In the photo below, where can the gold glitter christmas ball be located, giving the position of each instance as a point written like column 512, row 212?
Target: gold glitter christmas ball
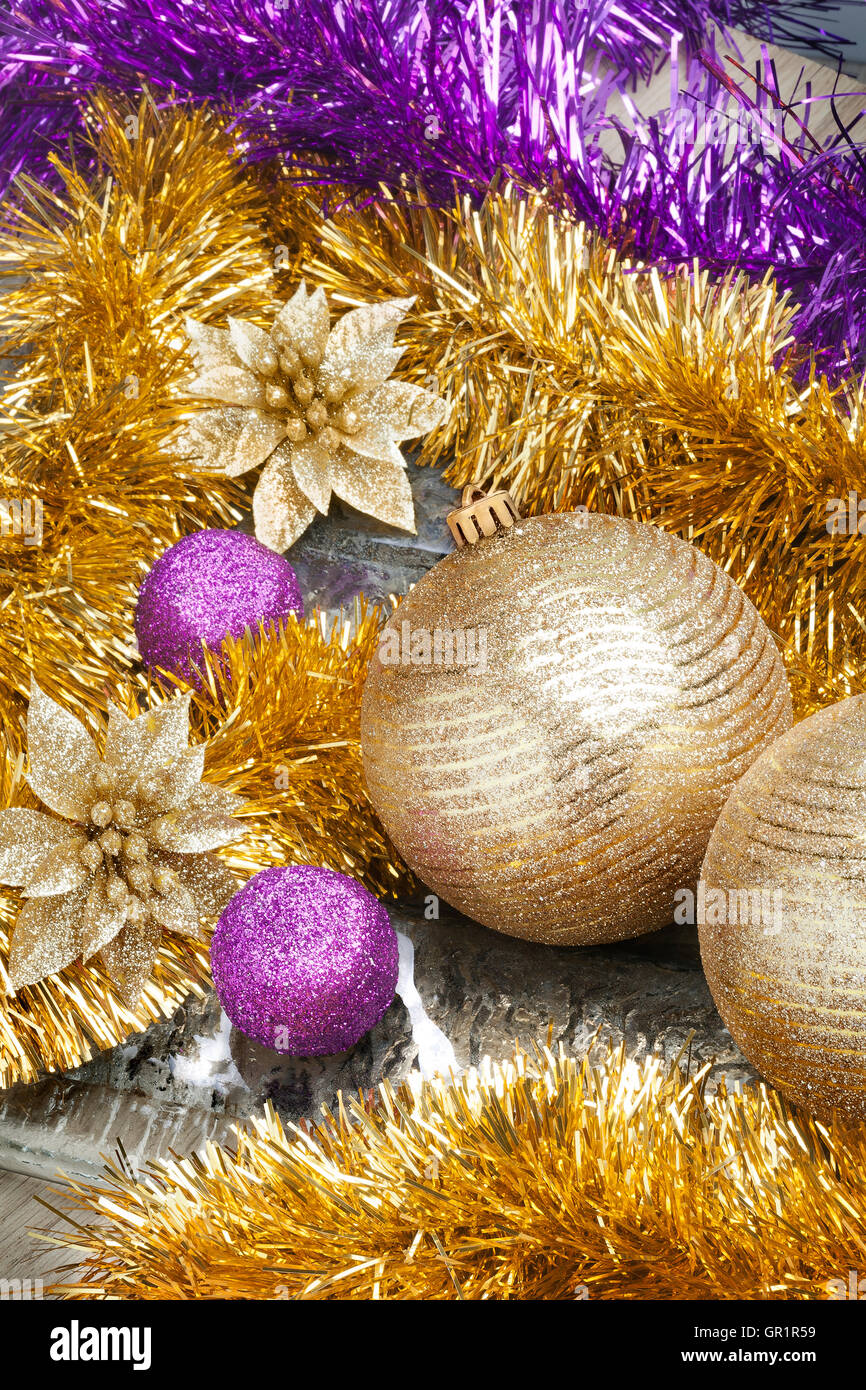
column 782, row 912
column 555, row 716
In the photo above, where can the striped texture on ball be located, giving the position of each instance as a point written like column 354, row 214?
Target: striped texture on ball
column 784, row 940
column 564, row 788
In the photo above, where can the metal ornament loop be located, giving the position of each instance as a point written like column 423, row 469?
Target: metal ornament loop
column 480, row 515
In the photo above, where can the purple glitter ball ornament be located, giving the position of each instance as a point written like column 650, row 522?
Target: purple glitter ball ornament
column 304, row 961
column 210, row 585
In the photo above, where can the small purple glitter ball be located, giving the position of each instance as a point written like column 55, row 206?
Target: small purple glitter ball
column 304, row 961
column 210, row 585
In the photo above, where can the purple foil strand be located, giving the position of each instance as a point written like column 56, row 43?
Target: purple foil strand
column 446, row 95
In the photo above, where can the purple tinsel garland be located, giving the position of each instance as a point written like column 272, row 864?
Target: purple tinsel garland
column 401, row 91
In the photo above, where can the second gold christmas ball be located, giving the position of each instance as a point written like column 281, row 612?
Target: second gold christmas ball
column 556, row 714
column 782, row 912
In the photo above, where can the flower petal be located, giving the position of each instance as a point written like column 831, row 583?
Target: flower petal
column 123, row 754
column 253, row 346
column 60, row 870
column 182, row 779
column 209, row 442
column 311, row 470
column 193, row 832
column 364, row 371
column 377, row 487
column 149, row 743
column 233, row 385
column 396, row 410
column 209, row 797
column 259, row 436
column 392, row 411
column 62, row 756
column 177, row 912
column 178, row 784
column 212, row 346
column 129, row 959
column 281, row 511
column 305, row 322
column 361, row 345
column 210, row 881
column 25, row 837
column 230, row 441
column 46, row 938
column 102, row 920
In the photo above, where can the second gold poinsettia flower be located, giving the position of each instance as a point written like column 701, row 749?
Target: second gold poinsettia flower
column 315, row 405
column 123, row 849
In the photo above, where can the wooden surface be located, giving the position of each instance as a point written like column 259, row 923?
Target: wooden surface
column 23, row 1257
column 804, row 84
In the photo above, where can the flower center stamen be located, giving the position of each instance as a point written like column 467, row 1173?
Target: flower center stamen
column 294, row 388
column 117, row 845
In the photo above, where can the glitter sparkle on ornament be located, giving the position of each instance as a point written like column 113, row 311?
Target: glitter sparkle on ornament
column 304, row 960
column 782, row 913
column 209, row 586
column 564, row 788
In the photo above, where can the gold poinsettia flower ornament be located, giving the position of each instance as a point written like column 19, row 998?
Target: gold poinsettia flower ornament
column 315, row 405
column 126, row 851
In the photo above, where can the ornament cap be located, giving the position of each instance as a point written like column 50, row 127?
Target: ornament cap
column 481, row 514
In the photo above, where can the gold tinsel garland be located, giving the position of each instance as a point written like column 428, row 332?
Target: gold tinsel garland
column 574, row 377
column 99, row 275
column 543, row 1178
column 280, row 714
